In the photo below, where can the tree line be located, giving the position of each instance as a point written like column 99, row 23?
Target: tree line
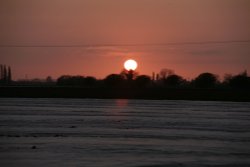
column 165, row 79
column 5, row 75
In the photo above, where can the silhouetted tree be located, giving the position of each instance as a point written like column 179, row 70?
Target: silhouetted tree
column 153, row 76
column 67, row 80
column 129, row 75
column 5, row 75
column 77, row 80
column 174, row 80
column 90, row 81
column 1, row 74
column 9, row 76
column 227, row 78
column 206, row 80
column 142, row 80
column 114, row 80
column 63, row 80
column 240, row 81
column 49, row 79
column 164, row 73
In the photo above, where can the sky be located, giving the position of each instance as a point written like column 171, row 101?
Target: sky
column 112, row 31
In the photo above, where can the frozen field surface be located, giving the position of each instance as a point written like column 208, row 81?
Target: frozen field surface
column 123, row 133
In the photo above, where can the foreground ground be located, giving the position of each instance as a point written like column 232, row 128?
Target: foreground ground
column 125, row 133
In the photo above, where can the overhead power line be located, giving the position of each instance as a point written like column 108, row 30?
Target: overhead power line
column 124, row 45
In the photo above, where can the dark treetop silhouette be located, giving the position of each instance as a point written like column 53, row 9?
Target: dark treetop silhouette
column 129, row 84
column 6, row 76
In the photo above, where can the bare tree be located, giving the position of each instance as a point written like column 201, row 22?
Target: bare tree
column 164, row 73
column 129, row 75
column 4, row 74
column 1, row 75
column 9, row 75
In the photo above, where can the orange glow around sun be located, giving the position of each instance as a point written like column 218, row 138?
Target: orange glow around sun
column 130, row 64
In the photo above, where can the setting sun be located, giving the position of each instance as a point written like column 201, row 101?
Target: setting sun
column 130, row 65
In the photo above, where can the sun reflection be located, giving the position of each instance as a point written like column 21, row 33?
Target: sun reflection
column 121, row 103
column 117, row 113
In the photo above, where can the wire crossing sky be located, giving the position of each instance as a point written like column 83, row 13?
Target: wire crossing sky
column 142, row 44
column 93, row 37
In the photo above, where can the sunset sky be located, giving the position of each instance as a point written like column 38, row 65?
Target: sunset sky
column 183, row 25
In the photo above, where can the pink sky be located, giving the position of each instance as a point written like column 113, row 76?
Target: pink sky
column 76, row 22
